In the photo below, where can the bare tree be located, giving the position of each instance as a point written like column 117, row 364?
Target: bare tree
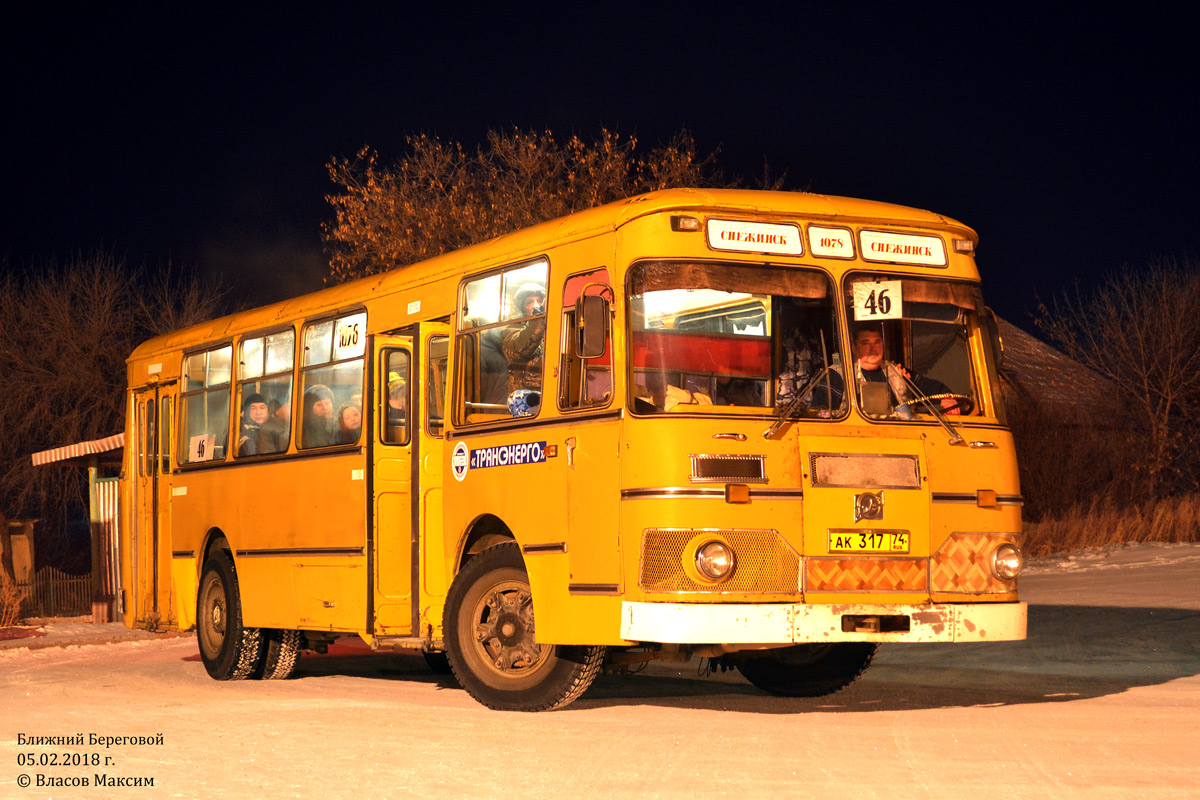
column 1138, row 329
column 65, row 332
column 440, row 196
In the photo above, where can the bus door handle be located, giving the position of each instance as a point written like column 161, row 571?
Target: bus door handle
column 737, row 437
column 570, row 443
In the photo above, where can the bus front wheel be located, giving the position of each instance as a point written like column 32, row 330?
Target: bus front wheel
column 229, row 651
column 808, row 670
column 489, row 635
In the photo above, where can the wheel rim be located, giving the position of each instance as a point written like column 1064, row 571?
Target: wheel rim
column 213, row 616
column 503, row 633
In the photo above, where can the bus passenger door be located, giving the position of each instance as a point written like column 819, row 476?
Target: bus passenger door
column 431, row 392
column 392, row 447
column 151, row 540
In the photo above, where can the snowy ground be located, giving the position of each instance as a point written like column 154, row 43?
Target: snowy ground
column 1102, row 700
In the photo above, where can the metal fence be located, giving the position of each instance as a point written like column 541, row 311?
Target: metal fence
column 53, row 593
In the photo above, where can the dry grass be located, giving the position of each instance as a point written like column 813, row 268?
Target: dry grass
column 1170, row 520
column 10, row 602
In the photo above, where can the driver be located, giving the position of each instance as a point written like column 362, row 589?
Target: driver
column 870, row 367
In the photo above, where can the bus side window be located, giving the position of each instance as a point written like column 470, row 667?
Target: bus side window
column 164, row 436
column 331, row 381
column 204, row 405
column 265, row 393
column 583, row 382
column 435, row 384
column 500, row 347
column 148, row 437
column 394, row 412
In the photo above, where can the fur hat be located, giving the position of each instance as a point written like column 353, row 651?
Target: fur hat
column 318, row 391
column 527, row 291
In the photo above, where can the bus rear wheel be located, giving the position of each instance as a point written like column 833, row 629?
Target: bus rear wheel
column 808, row 670
column 229, row 650
column 280, row 652
column 489, row 635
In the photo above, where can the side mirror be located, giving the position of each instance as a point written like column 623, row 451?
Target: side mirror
column 591, row 321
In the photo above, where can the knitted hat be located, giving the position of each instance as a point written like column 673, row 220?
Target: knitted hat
column 250, row 399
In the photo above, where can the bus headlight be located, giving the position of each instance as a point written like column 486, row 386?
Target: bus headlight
column 714, row 560
column 1006, row 562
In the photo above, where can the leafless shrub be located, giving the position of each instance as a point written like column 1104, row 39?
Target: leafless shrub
column 1138, row 330
column 66, row 329
column 11, row 598
column 440, row 196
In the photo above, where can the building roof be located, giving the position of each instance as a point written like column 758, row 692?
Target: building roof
column 1034, row 370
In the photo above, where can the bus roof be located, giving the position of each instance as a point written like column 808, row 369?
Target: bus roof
column 589, row 222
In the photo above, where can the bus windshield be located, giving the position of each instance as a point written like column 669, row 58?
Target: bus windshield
column 706, row 334
column 911, row 340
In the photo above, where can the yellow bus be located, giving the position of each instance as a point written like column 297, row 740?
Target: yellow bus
column 638, row 420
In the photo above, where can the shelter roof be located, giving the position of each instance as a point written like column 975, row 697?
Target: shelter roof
column 80, row 449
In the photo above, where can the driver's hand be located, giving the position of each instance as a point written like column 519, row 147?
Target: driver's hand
column 950, row 406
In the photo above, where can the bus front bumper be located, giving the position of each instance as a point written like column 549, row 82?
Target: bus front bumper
column 783, row 623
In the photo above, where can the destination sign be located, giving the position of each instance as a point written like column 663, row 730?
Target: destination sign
column 755, row 237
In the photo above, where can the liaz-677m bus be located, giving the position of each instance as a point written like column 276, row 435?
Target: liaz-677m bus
column 758, row 428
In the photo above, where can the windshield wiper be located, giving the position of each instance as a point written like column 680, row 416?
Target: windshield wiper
column 795, row 402
column 955, row 437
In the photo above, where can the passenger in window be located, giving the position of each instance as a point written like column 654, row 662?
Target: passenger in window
column 274, row 433
column 796, row 365
column 254, row 414
column 397, row 410
column 349, row 423
column 523, row 342
column 320, row 429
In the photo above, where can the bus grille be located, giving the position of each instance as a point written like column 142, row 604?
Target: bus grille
column 766, row 564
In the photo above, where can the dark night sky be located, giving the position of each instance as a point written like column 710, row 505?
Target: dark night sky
column 1066, row 139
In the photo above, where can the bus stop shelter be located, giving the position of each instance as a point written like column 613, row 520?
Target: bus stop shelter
column 102, row 457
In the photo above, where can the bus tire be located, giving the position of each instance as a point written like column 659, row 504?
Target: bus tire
column 229, row 651
column 490, row 643
column 280, row 653
column 809, row 670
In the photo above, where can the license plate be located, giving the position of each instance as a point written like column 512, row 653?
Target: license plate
column 868, row 541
